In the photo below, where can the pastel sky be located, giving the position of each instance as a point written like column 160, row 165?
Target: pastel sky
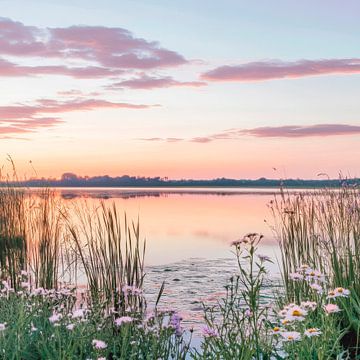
column 184, row 89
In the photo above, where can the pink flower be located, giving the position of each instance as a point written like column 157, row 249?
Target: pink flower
column 317, row 288
column 123, row 320
column 54, row 318
column 331, row 308
column 99, row 344
column 339, row 291
column 296, row 276
column 79, row 313
column 312, row 332
column 291, row 335
column 209, row 332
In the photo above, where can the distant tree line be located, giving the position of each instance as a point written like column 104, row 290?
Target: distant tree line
column 72, row 180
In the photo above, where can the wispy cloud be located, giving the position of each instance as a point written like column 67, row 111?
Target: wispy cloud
column 287, row 131
column 24, row 118
column 148, row 82
column 269, row 70
column 103, row 51
column 169, row 139
column 10, row 69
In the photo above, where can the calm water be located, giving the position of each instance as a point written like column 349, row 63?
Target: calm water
column 180, row 224
column 188, row 234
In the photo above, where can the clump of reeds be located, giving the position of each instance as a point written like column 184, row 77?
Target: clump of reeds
column 111, row 254
column 31, row 235
column 321, row 229
column 13, row 247
column 45, row 237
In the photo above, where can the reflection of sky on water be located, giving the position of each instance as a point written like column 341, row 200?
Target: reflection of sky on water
column 188, row 239
column 183, row 225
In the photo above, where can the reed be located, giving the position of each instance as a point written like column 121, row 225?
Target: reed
column 111, row 255
column 322, row 229
column 13, row 247
column 45, row 233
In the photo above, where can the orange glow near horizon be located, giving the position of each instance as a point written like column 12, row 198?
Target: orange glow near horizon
column 251, row 158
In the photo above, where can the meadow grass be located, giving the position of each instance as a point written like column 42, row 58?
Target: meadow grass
column 322, row 230
column 72, row 285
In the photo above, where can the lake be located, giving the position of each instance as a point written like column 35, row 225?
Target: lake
column 188, row 234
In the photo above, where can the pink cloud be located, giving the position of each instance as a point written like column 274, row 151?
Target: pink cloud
column 11, row 69
column 287, row 131
column 303, row 131
column 169, row 139
column 21, row 118
column 150, row 82
column 106, row 51
column 269, row 70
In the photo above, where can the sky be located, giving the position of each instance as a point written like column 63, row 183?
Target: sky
column 180, row 89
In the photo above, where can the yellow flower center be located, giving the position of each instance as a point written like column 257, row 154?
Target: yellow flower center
column 296, row 313
column 312, row 330
column 290, row 338
column 276, row 329
column 312, row 274
column 340, row 290
column 331, row 293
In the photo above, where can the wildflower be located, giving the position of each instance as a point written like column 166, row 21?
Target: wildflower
column 331, row 294
column 99, row 344
column 248, row 313
column 339, row 291
column 296, row 313
column 39, row 291
column 23, row 273
column 264, row 258
column 291, row 335
column 79, row 313
column 70, row 326
column 309, row 305
column 236, row 242
column 312, row 332
column 317, row 288
column 285, row 321
column 209, row 332
column 175, row 323
column 311, row 275
column 331, row 308
column 123, row 319
column 296, row 276
column 2, row 326
column 101, row 358
column 54, row 318
column 277, row 330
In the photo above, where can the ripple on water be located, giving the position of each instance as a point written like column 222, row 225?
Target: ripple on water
column 188, row 284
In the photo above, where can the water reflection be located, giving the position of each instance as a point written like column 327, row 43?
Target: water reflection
column 181, row 224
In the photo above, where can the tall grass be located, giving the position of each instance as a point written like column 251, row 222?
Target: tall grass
column 31, row 230
column 322, row 229
column 112, row 255
column 45, row 238
column 13, row 246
